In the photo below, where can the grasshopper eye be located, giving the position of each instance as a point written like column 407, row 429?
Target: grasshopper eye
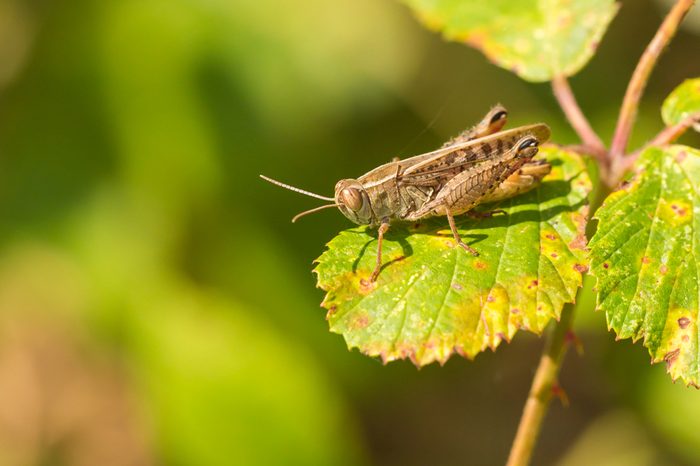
column 528, row 143
column 498, row 116
column 352, row 198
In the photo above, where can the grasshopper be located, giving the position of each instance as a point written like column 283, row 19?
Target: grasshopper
column 482, row 164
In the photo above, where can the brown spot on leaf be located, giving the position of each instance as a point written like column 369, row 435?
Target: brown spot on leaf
column 457, row 286
column 550, row 236
column 579, row 242
column 679, row 210
column 685, row 338
column 606, row 265
column 683, row 322
column 359, row 321
column 554, row 254
column 480, row 265
column 533, row 284
column 663, row 270
column 646, row 260
column 490, row 298
column 581, row 268
column 515, row 310
column 331, row 311
column 671, row 357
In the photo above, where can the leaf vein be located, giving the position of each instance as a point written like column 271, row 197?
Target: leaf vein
column 444, row 302
column 646, row 248
column 498, row 271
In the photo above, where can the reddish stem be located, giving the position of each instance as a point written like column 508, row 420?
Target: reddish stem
column 567, row 101
column 639, row 79
column 665, row 136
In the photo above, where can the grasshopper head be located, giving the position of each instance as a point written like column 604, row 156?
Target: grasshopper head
column 353, row 201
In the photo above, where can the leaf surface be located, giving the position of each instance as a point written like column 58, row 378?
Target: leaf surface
column 536, row 39
column 432, row 298
column 645, row 256
column 683, row 102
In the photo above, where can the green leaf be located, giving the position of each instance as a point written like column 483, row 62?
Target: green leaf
column 683, row 102
column 536, row 39
column 645, row 256
column 432, row 298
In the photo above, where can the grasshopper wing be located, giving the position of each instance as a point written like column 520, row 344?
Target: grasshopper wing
column 438, row 167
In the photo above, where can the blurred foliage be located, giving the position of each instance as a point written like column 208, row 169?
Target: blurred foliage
column 536, row 39
column 682, row 103
column 152, row 288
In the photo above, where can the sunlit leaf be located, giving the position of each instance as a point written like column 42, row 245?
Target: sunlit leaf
column 646, row 255
column 536, row 39
column 432, row 298
column 683, row 102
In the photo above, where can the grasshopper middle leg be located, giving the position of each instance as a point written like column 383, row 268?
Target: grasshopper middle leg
column 458, row 239
column 383, row 228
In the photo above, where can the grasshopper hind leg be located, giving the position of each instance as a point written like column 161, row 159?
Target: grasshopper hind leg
column 458, row 239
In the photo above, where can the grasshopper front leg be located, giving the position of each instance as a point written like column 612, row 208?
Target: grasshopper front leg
column 383, row 228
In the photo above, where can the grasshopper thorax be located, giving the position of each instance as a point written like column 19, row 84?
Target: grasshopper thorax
column 353, row 201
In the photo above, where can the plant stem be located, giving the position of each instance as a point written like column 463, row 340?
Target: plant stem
column 567, row 101
column 612, row 164
column 666, row 136
column 639, row 79
column 541, row 391
column 671, row 133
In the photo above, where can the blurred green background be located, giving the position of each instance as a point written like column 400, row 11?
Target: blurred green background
column 156, row 305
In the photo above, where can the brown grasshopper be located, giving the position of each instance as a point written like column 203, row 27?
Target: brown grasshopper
column 482, row 164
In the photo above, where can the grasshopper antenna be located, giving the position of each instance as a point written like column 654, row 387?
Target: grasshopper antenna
column 297, row 190
column 311, row 211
